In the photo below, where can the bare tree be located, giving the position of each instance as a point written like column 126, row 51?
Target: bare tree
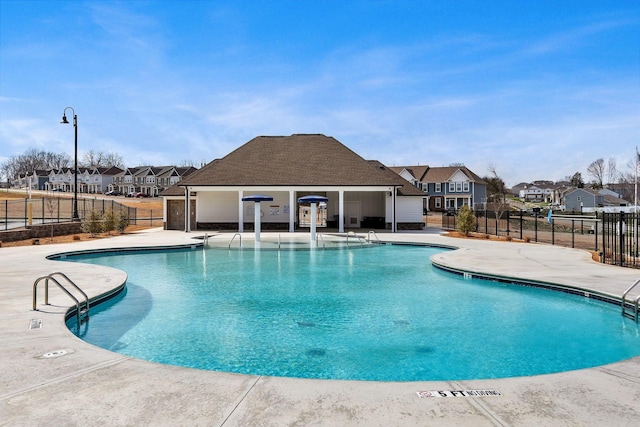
column 99, row 159
column 52, row 205
column 612, row 171
column 33, row 160
column 596, row 170
column 92, row 159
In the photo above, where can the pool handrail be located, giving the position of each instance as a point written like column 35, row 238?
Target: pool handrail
column 634, row 306
column 81, row 313
column 374, row 235
column 352, row 234
column 234, row 236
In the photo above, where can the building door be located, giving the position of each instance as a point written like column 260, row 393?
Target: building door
column 352, row 214
column 175, row 215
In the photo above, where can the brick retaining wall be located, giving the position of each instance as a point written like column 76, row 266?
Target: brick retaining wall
column 41, row 231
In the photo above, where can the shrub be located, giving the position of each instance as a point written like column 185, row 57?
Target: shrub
column 109, row 221
column 92, row 223
column 122, row 221
column 466, row 220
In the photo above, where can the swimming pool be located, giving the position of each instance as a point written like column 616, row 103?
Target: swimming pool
column 374, row 313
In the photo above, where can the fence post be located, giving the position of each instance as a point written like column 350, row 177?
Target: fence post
column 595, row 230
column 486, row 221
column 620, row 231
column 573, row 233
column 635, row 234
column 520, row 224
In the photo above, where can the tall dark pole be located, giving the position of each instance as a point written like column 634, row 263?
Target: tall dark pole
column 75, row 162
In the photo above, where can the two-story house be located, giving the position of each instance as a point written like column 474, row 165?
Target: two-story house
column 149, row 180
column 35, row 180
column 577, row 199
column 447, row 188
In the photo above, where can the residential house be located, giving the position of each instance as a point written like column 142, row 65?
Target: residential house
column 151, row 180
column 360, row 193
column 539, row 192
column 449, row 187
column 93, row 180
column 35, row 180
column 61, row 180
column 577, row 199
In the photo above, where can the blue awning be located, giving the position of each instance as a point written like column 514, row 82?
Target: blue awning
column 257, row 198
column 312, row 199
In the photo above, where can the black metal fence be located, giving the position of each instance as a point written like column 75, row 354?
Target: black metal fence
column 26, row 212
column 613, row 236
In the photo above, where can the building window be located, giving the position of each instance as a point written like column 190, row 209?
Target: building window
column 465, row 187
column 438, row 203
column 458, row 187
column 438, row 187
column 452, row 187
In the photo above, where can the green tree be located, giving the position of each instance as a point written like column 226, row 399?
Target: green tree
column 577, row 181
column 466, row 220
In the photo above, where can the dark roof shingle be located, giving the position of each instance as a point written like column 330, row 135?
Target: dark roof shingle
column 299, row 159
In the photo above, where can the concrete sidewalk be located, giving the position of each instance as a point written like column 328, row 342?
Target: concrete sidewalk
column 50, row 377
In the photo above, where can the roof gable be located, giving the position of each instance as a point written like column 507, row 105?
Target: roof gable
column 299, row 159
column 446, row 173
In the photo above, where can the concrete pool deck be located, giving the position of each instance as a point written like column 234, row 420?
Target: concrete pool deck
column 50, row 377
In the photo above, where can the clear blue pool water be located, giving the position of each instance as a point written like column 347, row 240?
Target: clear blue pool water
column 381, row 313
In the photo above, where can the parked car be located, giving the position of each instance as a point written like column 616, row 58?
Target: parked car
column 137, row 194
column 113, row 193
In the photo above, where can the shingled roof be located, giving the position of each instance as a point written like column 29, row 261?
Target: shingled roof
column 299, row 159
column 437, row 174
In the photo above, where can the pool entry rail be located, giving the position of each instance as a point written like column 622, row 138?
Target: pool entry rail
column 630, row 310
column 239, row 236
column 372, row 233
column 82, row 308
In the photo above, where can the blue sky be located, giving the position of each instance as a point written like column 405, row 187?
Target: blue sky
column 537, row 89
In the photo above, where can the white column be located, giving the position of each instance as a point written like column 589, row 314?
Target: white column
column 256, row 220
column 292, row 212
column 341, row 211
column 313, row 223
column 240, row 212
column 393, row 211
column 187, row 209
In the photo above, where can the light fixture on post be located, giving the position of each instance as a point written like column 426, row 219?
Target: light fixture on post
column 75, row 164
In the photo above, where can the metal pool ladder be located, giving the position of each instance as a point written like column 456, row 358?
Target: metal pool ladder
column 630, row 310
column 82, row 307
column 234, row 236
